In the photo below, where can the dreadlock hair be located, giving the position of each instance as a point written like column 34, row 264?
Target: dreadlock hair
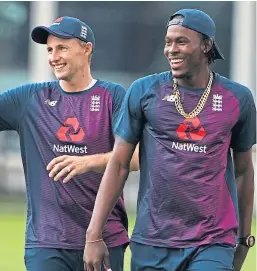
column 210, row 54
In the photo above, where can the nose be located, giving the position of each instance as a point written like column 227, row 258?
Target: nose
column 173, row 48
column 54, row 56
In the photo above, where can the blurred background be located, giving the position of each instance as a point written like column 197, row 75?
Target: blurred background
column 129, row 44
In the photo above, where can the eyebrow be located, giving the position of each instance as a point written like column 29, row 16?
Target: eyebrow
column 176, row 38
column 58, row 45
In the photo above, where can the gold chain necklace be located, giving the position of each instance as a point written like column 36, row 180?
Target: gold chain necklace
column 200, row 104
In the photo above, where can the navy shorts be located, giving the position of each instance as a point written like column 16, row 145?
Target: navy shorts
column 49, row 259
column 216, row 257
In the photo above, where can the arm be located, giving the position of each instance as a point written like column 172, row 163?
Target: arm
column 100, row 161
column 12, row 106
column 71, row 166
column 128, row 133
column 109, row 191
column 111, row 186
column 244, row 173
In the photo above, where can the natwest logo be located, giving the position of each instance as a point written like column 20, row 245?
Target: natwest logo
column 190, row 129
column 71, row 131
column 69, row 149
column 188, row 147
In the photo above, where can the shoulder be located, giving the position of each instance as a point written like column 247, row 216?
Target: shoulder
column 155, row 78
column 38, row 86
column 240, row 91
column 44, row 85
column 114, row 91
column 110, row 86
column 145, row 84
column 27, row 90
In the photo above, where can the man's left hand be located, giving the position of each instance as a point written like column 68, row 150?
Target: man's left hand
column 68, row 166
column 240, row 255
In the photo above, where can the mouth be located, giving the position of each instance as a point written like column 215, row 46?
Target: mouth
column 176, row 63
column 58, row 67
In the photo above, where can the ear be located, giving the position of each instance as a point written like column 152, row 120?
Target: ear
column 88, row 48
column 207, row 45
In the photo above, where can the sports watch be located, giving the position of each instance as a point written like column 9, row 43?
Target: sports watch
column 248, row 241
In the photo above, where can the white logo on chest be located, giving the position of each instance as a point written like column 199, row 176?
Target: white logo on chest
column 217, row 102
column 169, row 98
column 95, row 103
column 51, row 103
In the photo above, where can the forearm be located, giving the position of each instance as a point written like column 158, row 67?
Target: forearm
column 245, row 189
column 110, row 190
column 100, row 161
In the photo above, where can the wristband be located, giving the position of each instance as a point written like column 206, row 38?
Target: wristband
column 95, row 241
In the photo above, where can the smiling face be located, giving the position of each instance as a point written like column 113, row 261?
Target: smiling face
column 184, row 50
column 68, row 58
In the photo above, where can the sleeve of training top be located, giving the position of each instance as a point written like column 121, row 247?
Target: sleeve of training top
column 12, row 106
column 244, row 131
column 131, row 119
column 118, row 97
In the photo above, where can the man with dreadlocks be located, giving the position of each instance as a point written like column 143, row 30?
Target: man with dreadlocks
column 194, row 200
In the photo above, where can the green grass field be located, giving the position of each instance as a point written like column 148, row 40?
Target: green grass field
column 12, row 241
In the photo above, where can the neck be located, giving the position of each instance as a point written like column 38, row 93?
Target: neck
column 197, row 80
column 77, row 83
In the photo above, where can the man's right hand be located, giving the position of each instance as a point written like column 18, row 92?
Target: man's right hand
column 69, row 166
column 96, row 254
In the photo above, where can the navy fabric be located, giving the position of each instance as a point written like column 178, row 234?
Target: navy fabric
column 187, row 191
column 65, row 28
column 208, row 257
column 45, row 259
column 51, row 123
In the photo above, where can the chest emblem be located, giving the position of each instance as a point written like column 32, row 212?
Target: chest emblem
column 191, row 129
column 169, row 98
column 217, row 102
column 95, row 103
column 71, row 131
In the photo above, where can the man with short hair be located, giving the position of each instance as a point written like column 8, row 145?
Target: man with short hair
column 65, row 130
column 189, row 210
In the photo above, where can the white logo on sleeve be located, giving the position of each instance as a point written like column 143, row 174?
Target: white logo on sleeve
column 51, row 103
column 217, row 102
column 95, row 103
